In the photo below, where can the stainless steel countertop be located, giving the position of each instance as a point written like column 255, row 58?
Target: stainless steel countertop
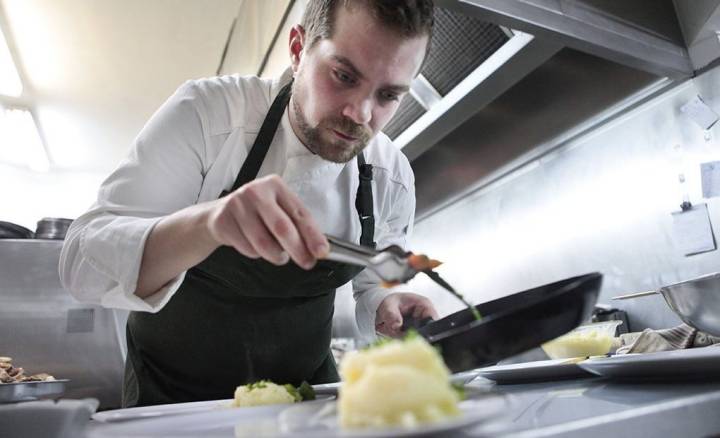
column 598, row 407
column 591, row 407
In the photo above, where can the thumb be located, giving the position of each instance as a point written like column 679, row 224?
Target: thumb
column 393, row 318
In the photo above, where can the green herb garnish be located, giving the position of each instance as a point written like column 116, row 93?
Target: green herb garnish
column 306, row 391
column 460, row 390
column 257, row 385
column 302, row 393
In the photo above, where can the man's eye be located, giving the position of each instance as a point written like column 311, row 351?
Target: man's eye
column 389, row 96
column 343, row 77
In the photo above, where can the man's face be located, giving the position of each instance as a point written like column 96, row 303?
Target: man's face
column 348, row 87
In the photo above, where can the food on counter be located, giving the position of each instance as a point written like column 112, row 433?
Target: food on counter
column 12, row 374
column 266, row 392
column 396, row 383
column 588, row 340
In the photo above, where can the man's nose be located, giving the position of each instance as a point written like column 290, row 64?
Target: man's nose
column 359, row 111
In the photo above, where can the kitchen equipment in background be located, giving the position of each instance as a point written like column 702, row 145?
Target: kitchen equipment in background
column 604, row 312
column 46, row 418
column 696, row 301
column 9, row 230
column 513, row 324
column 45, row 329
column 25, row 391
column 52, row 228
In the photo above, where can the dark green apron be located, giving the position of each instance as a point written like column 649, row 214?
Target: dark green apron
column 235, row 320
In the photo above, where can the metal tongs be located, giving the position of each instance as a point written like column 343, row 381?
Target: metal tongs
column 390, row 264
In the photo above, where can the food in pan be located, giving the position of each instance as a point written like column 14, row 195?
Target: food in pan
column 397, row 383
column 266, row 392
column 12, row 374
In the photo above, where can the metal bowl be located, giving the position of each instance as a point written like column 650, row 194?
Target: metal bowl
column 696, row 302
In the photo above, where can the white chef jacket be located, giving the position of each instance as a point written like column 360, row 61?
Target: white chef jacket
column 191, row 150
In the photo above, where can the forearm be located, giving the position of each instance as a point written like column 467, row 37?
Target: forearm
column 176, row 243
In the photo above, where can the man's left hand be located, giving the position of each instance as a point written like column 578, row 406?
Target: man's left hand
column 396, row 306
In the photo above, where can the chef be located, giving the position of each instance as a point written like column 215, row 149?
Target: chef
column 212, row 231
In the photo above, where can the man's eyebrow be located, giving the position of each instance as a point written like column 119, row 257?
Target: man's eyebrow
column 350, row 66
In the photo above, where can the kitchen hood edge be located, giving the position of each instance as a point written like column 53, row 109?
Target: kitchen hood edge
column 582, row 27
column 519, row 56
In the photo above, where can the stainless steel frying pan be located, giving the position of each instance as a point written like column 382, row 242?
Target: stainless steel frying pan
column 696, row 301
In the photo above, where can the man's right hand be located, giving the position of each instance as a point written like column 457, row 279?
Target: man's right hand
column 265, row 219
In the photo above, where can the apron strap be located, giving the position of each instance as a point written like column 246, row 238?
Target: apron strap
column 255, row 158
column 364, row 203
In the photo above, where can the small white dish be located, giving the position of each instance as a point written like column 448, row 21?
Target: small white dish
column 693, row 363
column 537, row 371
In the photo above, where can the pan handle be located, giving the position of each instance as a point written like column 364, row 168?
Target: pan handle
column 635, row 295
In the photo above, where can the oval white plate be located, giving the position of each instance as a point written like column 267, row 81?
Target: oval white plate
column 145, row 412
column 312, row 419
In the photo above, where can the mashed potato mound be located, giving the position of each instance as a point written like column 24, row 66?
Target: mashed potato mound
column 579, row 344
column 261, row 393
column 399, row 383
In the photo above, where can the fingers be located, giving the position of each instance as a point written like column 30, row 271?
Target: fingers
column 251, row 227
column 285, row 232
column 389, row 318
column 312, row 238
column 267, row 220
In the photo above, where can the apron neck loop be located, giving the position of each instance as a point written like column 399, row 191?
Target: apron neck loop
column 364, row 203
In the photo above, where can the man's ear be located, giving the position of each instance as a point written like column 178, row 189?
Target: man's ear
column 297, row 45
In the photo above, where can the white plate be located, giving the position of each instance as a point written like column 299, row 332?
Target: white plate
column 692, row 363
column 308, row 421
column 543, row 370
column 145, row 412
column 208, row 424
column 312, row 419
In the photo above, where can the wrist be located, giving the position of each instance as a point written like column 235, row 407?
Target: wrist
column 202, row 227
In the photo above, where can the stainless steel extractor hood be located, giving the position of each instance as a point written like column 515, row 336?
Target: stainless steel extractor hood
column 471, row 63
column 566, row 66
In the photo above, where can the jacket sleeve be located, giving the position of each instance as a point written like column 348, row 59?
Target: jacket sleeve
column 101, row 256
column 396, row 230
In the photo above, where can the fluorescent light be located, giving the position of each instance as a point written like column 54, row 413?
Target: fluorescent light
column 10, row 84
column 20, row 142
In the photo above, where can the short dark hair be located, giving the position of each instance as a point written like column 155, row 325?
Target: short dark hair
column 410, row 18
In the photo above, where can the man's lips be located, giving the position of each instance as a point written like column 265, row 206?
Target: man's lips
column 344, row 136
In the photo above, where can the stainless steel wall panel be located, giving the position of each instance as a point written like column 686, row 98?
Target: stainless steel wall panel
column 601, row 202
column 44, row 329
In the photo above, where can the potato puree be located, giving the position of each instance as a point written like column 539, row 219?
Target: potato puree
column 397, row 383
column 261, row 393
column 579, row 344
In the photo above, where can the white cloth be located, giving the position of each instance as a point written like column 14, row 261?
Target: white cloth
column 189, row 152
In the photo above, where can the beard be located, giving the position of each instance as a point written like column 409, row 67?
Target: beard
column 329, row 147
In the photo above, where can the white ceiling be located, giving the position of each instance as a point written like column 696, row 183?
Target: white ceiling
column 96, row 70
